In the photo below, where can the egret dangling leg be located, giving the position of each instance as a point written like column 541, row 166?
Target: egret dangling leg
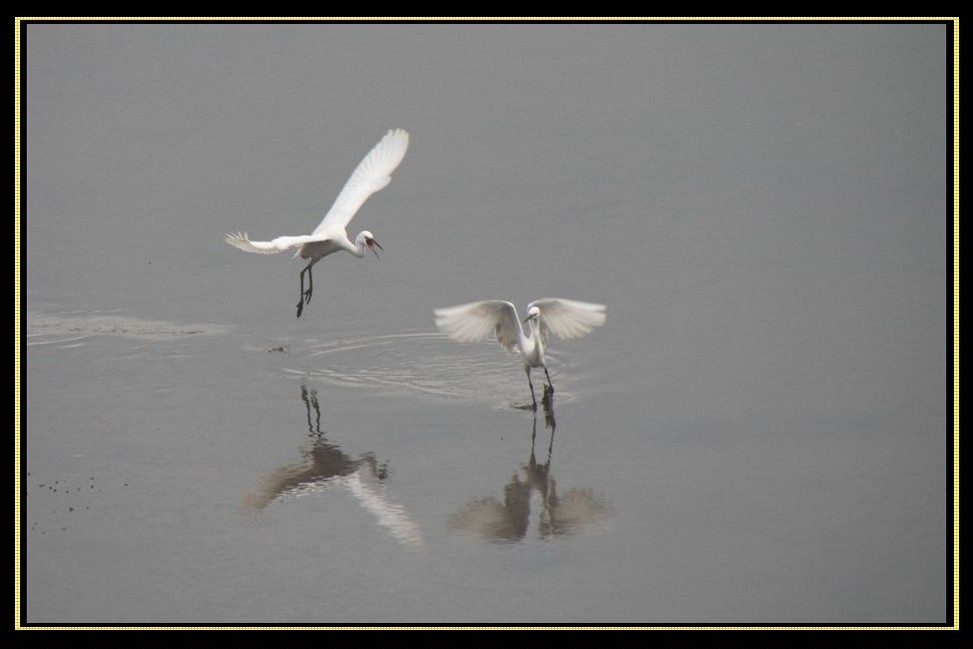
column 549, row 384
column 310, row 284
column 306, row 295
column 300, row 301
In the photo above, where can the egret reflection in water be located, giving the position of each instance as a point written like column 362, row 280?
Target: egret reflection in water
column 533, row 486
column 324, row 467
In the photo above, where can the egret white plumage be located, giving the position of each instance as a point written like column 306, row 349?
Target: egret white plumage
column 372, row 174
column 476, row 321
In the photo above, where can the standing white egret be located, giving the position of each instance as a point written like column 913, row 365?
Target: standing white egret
column 372, row 174
column 564, row 318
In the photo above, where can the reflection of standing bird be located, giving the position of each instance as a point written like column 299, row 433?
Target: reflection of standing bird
column 372, row 174
column 564, row 318
column 509, row 520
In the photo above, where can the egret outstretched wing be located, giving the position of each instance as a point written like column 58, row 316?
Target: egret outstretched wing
column 568, row 318
column 565, row 318
column 372, row 174
column 476, row 321
column 242, row 241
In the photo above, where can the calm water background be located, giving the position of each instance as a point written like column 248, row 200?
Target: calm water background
column 757, row 435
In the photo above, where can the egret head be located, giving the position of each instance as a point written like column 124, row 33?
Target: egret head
column 368, row 239
column 533, row 314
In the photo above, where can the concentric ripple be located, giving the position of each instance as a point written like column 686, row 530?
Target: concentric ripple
column 427, row 364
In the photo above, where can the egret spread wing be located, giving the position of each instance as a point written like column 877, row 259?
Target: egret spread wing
column 568, row 318
column 372, row 174
column 243, row 242
column 476, row 321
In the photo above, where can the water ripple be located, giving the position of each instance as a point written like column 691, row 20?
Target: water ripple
column 427, row 364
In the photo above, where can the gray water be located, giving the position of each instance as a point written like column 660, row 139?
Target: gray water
column 759, row 433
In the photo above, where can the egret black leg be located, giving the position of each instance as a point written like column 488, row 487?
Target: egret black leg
column 310, row 284
column 300, row 302
column 549, row 384
column 305, row 295
column 532, row 397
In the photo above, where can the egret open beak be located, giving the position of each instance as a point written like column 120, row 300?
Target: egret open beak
column 371, row 243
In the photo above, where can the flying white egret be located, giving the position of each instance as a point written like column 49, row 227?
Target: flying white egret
column 564, row 318
column 372, row 174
